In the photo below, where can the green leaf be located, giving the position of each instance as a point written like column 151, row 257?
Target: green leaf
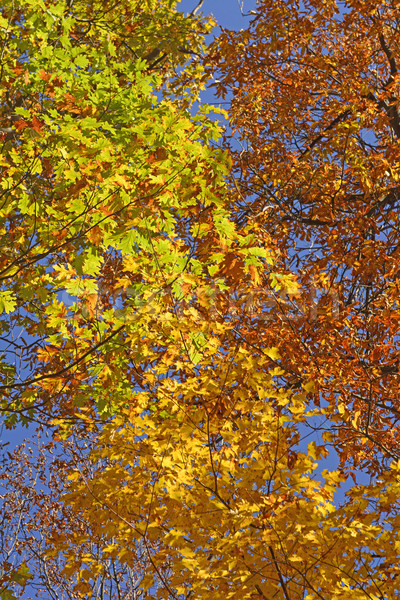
column 8, row 301
column 7, row 595
column 22, row 575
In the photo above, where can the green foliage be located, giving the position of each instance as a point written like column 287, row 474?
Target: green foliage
column 104, row 184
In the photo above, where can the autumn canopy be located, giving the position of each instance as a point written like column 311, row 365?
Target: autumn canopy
column 199, row 307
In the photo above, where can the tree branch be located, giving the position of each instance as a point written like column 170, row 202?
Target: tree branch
column 282, row 581
column 64, row 369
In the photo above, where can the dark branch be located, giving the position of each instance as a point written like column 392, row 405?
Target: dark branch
column 64, row 369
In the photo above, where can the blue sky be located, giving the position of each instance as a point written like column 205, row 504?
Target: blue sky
column 226, row 12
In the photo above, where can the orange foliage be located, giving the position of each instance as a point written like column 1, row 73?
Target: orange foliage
column 315, row 94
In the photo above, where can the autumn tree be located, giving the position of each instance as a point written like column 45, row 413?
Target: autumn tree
column 32, row 480
column 108, row 191
column 314, row 112
column 235, row 323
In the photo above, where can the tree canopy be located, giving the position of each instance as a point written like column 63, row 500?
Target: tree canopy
column 199, row 306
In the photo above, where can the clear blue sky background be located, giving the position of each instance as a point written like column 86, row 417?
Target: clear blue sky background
column 229, row 14
column 226, row 12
